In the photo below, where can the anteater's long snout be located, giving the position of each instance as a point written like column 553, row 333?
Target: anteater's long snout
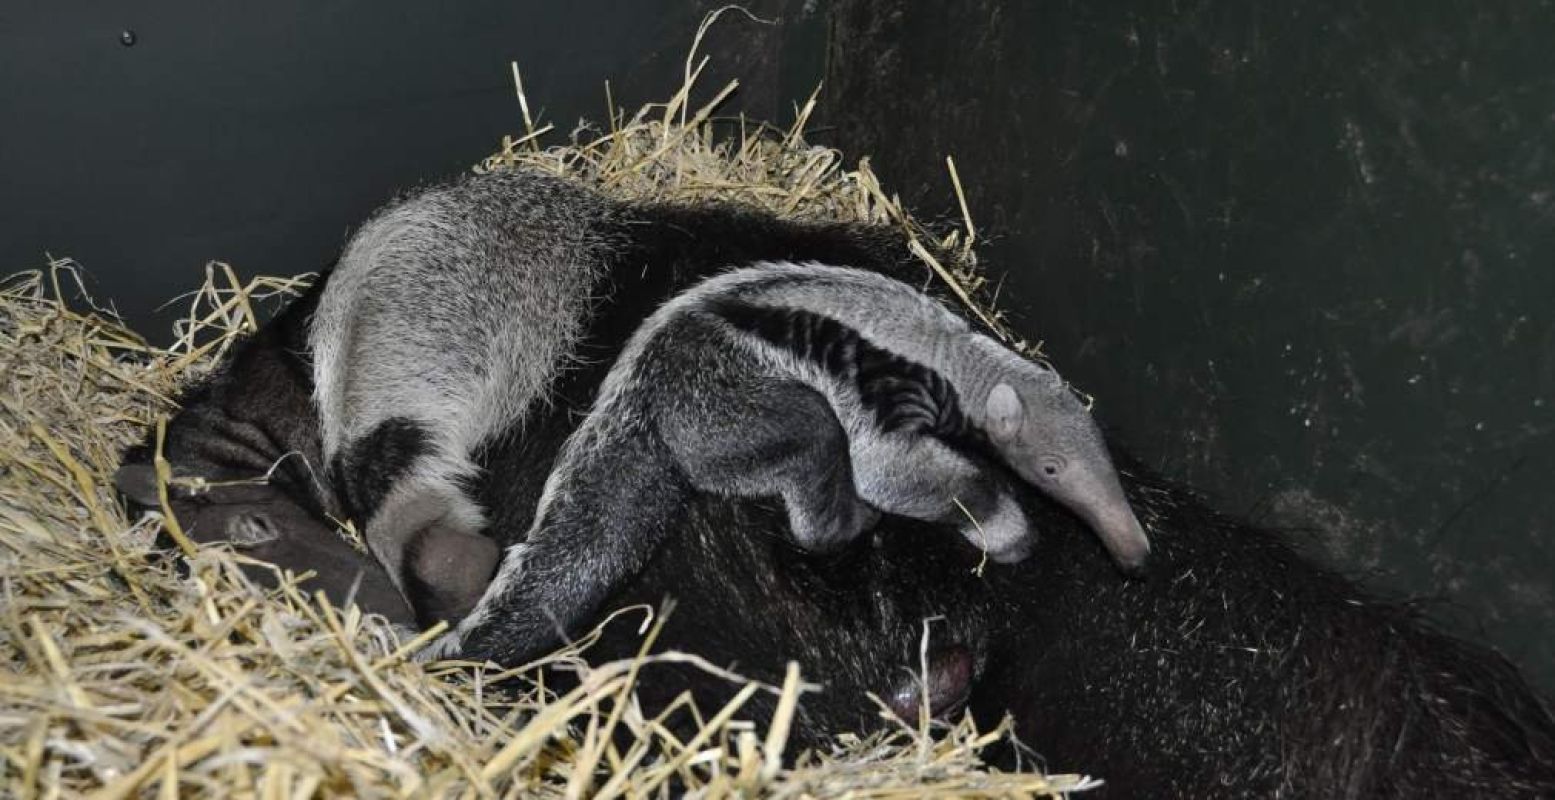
column 1104, row 507
column 1125, row 540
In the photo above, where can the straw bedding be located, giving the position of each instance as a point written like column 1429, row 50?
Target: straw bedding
column 129, row 670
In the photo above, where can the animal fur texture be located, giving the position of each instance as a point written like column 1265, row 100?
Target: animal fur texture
column 1240, row 669
column 446, row 318
column 842, row 392
column 452, row 311
column 249, row 433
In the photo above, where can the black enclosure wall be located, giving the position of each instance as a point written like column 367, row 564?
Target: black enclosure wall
column 144, row 139
column 1303, row 254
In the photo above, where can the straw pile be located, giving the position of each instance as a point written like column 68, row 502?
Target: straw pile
column 124, row 675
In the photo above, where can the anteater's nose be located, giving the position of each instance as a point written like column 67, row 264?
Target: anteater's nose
column 1136, row 569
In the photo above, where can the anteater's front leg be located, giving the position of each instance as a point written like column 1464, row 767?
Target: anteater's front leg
column 623, row 481
column 758, row 436
column 918, row 476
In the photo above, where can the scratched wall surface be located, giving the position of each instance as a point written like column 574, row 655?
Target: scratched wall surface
column 1304, row 257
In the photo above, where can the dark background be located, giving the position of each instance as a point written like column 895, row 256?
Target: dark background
column 1305, row 259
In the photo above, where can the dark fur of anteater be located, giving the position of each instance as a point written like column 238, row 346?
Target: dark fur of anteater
column 1238, row 669
column 1243, row 664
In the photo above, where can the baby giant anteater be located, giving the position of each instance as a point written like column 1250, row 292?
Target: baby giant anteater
column 1242, row 669
column 452, row 314
column 841, row 391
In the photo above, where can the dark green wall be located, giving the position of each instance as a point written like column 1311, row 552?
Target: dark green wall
column 1303, row 254
column 260, row 133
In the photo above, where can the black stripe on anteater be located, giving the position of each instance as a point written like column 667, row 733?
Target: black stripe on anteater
column 903, row 394
column 364, row 472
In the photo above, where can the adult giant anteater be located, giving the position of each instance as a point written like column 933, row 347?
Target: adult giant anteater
column 1239, row 668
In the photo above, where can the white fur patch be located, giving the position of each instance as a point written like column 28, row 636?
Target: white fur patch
column 453, row 308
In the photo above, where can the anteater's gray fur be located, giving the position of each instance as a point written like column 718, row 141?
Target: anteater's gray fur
column 839, row 390
column 447, row 317
column 1241, row 669
column 450, row 312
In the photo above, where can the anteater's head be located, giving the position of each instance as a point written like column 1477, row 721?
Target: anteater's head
column 1046, row 435
column 266, row 524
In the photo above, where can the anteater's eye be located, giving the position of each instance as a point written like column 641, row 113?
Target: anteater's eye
column 1052, row 465
column 251, row 530
column 1050, row 469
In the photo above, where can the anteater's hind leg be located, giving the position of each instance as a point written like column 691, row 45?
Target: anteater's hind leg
column 762, row 436
column 918, row 476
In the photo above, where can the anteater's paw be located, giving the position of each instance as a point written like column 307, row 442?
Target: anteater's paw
column 1005, row 534
column 443, row 648
column 832, row 530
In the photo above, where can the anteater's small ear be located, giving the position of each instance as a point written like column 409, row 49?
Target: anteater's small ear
column 138, row 482
column 1005, row 413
